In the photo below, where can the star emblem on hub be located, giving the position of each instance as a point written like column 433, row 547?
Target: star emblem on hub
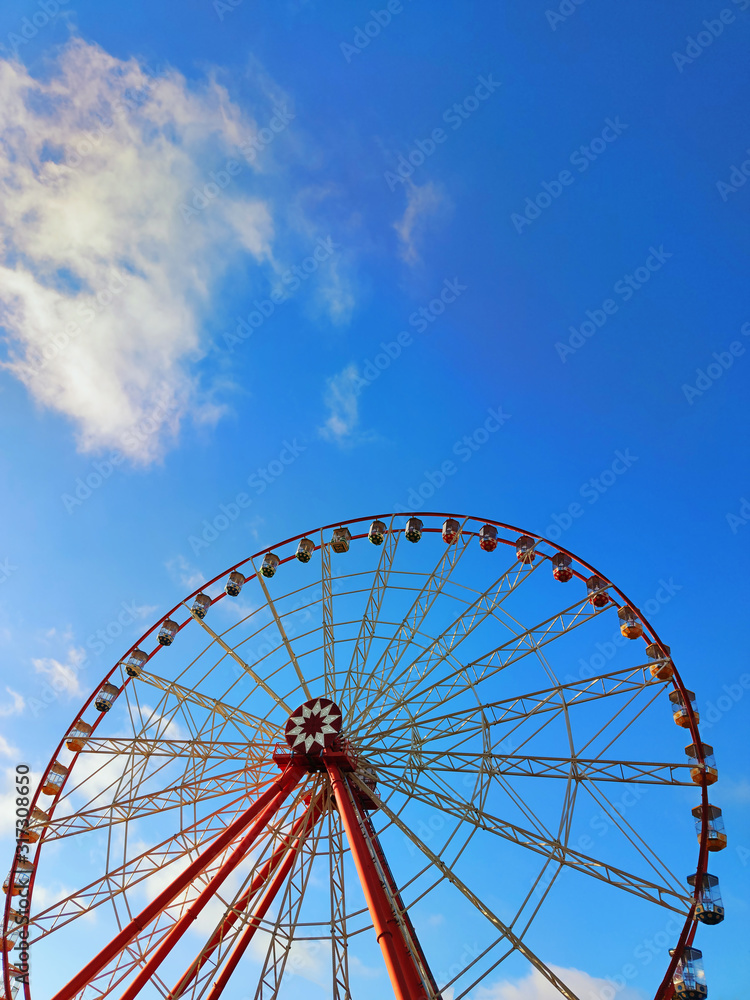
column 314, row 726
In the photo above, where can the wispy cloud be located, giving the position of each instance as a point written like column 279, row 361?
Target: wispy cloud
column 16, row 705
column 536, row 987
column 422, row 205
column 62, row 677
column 341, row 398
column 103, row 280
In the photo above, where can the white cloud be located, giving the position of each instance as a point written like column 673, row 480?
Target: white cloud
column 96, row 162
column 16, row 706
column 536, row 987
column 184, row 573
column 341, row 398
column 62, row 677
column 422, row 203
column 6, row 750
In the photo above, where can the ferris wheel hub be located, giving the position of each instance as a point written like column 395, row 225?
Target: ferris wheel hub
column 314, row 727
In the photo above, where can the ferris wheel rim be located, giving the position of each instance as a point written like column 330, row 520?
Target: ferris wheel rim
column 690, row 926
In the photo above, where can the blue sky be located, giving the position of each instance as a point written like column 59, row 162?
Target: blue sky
column 491, row 263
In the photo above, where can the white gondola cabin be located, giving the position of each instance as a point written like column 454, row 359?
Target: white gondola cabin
column 79, row 733
column 630, row 626
column 305, row 549
column 16, row 921
column 662, row 668
column 201, row 604
column 134, row 662
column 561, row 567
column 705, row 774
column 488, row 538
column 717, row 838
column 21, row 878
column 451, row 530
column 270, row 565
column 55, row 779
column 679, row 708
column 689, row 979
column 413, row 530
column 234, row 584
column 340, row 539
column 167, row 632
column 106, row 697
column 377, row 532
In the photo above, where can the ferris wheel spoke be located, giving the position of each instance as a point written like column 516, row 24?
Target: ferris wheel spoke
column 357, row 664
column 491, row 663
column 282, row 632
column 518, row 765
column 548, row 847
column 412, row 622
column 481, row 907
column 339, row 942
column 230, row 713
column 245, row 666
column 445, row 645
column 205, row 750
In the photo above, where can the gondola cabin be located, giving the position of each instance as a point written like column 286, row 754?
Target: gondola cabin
column 689, row 979
column 55, row 779
column 709, row 908
column 106, row 697
column 451, row 530
column 702, row 774
column 377, row 532
column 561, row 570
column 270, row 565
column 662, row 668
column 630, row 626
column 201, row 604
column 134, row 662
column 717, row 838
column 488, row 538
column 305, row 549
column 596, row 588
column 76, row 739
column 167, row 632
column 340, row 539
column 21, row 878
column 413, row 530
column 525, row 551
column 679, row 709
column 234, row 584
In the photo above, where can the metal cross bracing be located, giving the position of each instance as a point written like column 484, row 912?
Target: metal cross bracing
column 448, row 711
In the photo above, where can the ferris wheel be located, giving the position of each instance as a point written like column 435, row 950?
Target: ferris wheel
column 414, row 755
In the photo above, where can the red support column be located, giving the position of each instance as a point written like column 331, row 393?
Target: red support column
column 242, row 903
column 254, row 922
column 278, row 790
column 207, row 894
column 405, row 979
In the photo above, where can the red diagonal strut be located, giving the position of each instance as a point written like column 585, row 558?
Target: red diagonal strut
column 269, row 801
column 288, row 844
column 277, row 882
column 402, row 969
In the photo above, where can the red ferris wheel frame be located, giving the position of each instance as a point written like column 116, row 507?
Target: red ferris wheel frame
column 408, row 971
